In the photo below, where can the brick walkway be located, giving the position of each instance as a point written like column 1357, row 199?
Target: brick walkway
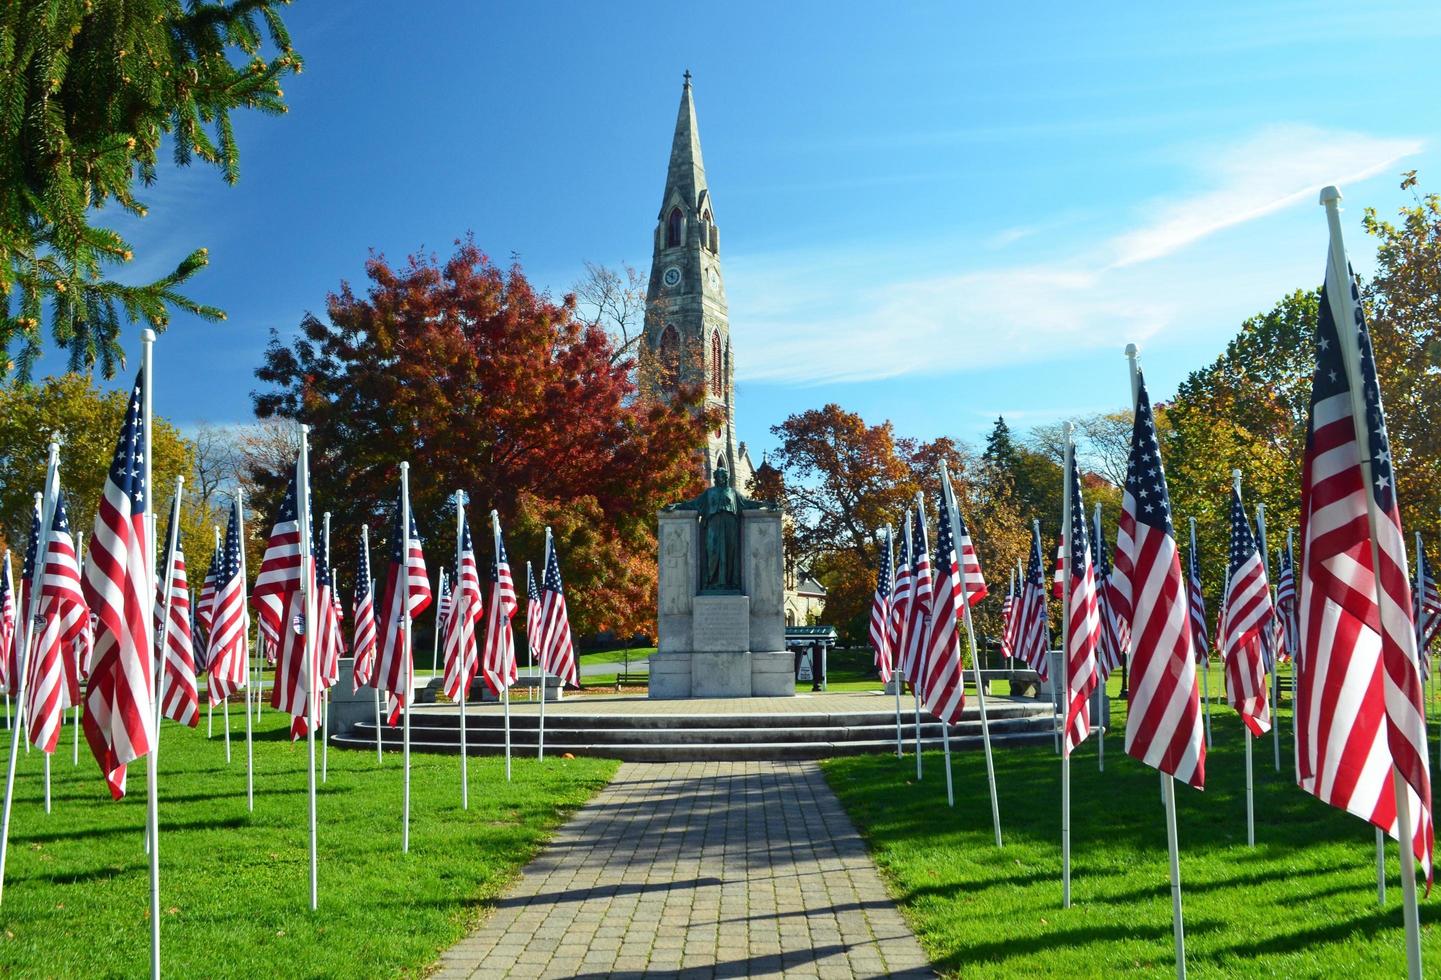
column 724, row 869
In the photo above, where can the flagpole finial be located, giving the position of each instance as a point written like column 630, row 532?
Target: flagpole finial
column 147, row 336
column 1330, row 195
column 1236, row 480
column 404, row 466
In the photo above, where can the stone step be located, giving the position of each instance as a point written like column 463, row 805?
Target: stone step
column 704, row 752
column 567, row 720
column 701, row 736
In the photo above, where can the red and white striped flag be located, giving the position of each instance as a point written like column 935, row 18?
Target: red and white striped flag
column 1008, row 618
column 1246, row 612
column 119, row 717
column 330, row 640
column 557, row 648
column 918, row 612
column 1083, row 629
column 1033, row 637
column 880, row 628
column 407, row 594
column 365, row 645
column 13, row 657
column 1359, row 714
column 179, row 700
column 1115, row 643
column 901, row 597
column 7, row 620
column 1289, row 625
column 229, row 647
column 205, row 604
column 497, row 663
column 280, row 604
column 943, row 687
column 1164, row 727
column 462, row 649
column 52, row 681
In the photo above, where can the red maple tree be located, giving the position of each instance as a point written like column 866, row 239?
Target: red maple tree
column 486, row 385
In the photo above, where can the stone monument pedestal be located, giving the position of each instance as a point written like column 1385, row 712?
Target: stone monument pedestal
column 721, row 646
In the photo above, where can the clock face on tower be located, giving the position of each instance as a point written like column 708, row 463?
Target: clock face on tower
column 713, row 279
column 672, row 276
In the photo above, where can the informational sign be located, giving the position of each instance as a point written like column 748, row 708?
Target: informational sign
column 807, row 671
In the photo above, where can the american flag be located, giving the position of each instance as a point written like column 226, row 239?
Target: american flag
column 462, row 658
column 1286, row 612
column 532, row 612
column 1246, row 613
column 1115, row 633
column 1196, row 603
column 119, row 714
column 442, row 608
column 1083, row 631
column 229, row 646
column 178, row 698
column 943, row 687
column 918, row 613
column 880, row 628
column 13, row 651
column 197, row 638
column 7, row 620
column 330, row 640
column 1164, row 728
column 1008, row 618
column 205, row 610
column 407, row 588
column 364, row 620
column 280, row 603
column 51, row 681
column 1358, row 689
column 970, row 562
column 497, row 664
column 557, row 649
column 1032, row 635
column 901, row 597
column 1426, row 605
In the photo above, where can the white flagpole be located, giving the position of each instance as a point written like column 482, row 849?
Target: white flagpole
column 1168, row 784
column 1206, row 663
column 915, row 687
column 325, row 718
column 1340, row 272
column 147, row 344
column 404, row 586
column 505, row 688
column 245, row 632
column 75, row 728
column 460, row 499
column 1381, row 866
column 1066, row 504
column 548, row 545
column 955, row 515
column 1275, row 652
column 22, row 660
column 307, row 644
column 1249, row 738
column 895, row 663
column 1046, row 630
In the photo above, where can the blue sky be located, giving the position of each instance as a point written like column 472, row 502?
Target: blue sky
column 933, row 213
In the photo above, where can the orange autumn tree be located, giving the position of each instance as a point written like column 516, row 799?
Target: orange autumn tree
column 484, row 384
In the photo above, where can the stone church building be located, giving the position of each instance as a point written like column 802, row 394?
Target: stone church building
column 687, row 328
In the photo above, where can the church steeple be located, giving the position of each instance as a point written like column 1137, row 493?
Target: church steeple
column 685, row 178
column 687, row 323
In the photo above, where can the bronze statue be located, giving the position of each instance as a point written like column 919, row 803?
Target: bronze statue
column 720, row 508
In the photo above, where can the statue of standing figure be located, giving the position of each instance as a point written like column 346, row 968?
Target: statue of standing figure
column 719, row 507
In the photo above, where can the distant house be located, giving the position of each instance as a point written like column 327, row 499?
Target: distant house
column 805, row 599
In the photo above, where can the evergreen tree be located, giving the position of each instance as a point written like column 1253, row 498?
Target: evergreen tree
column 90, row 88
column 1000, row 451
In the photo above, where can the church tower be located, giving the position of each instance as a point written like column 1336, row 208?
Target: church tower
column 687, row 326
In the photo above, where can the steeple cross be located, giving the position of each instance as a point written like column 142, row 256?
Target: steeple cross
column 687, row 77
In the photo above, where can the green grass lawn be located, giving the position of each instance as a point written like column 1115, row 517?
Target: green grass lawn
column 234, row 885
column 1302, row 903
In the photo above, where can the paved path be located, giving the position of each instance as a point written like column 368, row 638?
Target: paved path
column 724, row 869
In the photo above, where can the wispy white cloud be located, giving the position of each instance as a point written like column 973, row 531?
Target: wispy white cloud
column 1278, row 167
column 851, row 315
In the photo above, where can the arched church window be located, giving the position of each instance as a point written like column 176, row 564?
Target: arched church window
column 669, row 354
column 706, row 217
column 672, row 228
column 717, row 381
